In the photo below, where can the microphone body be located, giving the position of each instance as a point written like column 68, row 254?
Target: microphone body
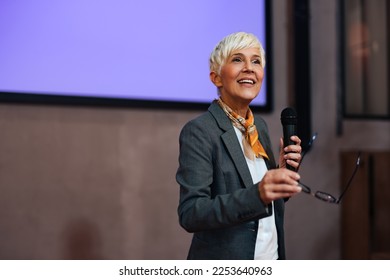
column 289, row 122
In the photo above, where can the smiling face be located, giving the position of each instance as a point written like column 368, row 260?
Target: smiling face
column 240, row 78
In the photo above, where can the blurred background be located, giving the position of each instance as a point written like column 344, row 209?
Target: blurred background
column 97, row 182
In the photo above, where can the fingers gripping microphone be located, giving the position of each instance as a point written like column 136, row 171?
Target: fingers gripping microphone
column 288, row 118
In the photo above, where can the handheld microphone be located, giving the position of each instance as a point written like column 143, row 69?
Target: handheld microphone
column 288, row 118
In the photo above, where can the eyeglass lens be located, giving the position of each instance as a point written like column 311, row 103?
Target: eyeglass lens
column 318, row 194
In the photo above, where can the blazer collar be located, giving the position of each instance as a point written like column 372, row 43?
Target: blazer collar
column 222, row 120
column 229, row 138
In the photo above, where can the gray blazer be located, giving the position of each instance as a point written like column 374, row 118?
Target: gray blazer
column 218, row 201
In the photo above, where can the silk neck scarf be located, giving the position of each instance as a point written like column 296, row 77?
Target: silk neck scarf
column 251, row 144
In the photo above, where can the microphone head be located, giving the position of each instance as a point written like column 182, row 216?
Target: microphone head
column 288, row 116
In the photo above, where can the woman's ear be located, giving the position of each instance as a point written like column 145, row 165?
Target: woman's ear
column 216, row 79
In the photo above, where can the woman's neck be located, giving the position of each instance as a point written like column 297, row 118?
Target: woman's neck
column 240, row 109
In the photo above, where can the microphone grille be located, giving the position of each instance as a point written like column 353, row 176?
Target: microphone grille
column 288, row 116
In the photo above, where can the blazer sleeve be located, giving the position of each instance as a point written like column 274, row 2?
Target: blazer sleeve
column 209, row 198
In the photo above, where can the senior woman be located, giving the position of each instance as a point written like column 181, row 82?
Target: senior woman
column 232, row 193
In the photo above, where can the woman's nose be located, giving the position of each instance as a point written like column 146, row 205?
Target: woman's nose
column 248, row 67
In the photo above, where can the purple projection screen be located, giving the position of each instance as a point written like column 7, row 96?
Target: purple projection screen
column 149, row 50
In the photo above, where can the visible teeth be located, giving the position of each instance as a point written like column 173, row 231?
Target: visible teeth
column 246, row 81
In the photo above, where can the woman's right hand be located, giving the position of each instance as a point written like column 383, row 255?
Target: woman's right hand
column 278, row 183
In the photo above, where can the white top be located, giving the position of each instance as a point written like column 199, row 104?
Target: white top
column 267, row 237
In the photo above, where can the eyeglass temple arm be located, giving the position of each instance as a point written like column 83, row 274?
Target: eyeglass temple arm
column 351, row 178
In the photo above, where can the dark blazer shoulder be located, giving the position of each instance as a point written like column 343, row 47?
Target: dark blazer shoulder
column 212, row 118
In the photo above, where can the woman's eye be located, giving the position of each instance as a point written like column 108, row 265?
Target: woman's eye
column 236, row 59
column 256, row 61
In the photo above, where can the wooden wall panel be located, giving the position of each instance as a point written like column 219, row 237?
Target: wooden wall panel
column 380, row 238
column 366, row 206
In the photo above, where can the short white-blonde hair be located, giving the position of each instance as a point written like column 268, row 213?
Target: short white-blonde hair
column 233, row 42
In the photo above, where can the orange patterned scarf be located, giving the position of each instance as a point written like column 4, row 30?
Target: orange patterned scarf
column 248, row 128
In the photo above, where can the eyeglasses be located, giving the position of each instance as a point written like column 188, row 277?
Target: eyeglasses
column 323, row 195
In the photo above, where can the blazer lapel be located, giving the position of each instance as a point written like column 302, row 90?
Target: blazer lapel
column 266, row 144
column 233, row 146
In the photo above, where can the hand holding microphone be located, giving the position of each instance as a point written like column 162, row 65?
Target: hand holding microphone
column 282, row 183
column 290, row 144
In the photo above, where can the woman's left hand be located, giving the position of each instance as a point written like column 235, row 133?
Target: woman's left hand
column 291, row 154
